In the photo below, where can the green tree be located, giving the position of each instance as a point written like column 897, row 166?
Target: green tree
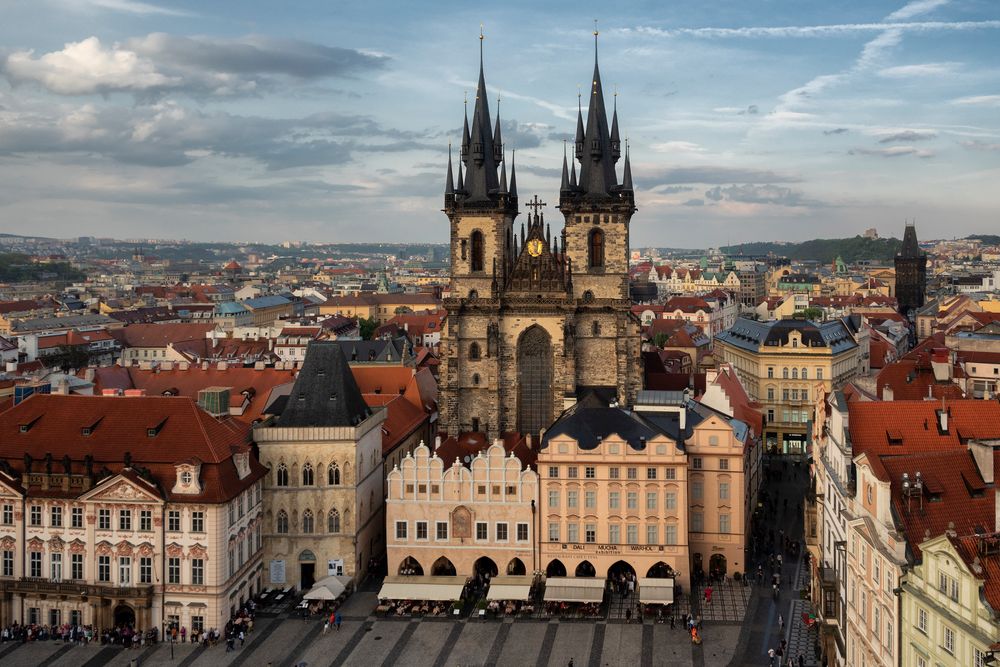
column 810, row 313
column 367, row 327
column 67, row 358
column 660, row 340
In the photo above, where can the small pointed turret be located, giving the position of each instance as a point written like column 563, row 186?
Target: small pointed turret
column 503, row 177
column 564, row 186
column 497, row 138
column 513, row 177
column 616, row 142
column 627, row 175
column 465, row 130
column 572, row 176
column 449, row 184
column 579, row 127
column 460, row 185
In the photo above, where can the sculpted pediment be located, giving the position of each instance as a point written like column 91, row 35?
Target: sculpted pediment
column 121, row 489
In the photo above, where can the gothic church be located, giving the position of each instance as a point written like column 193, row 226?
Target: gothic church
column 536, row 320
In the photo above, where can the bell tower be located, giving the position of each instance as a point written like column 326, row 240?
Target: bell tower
column 597, row 207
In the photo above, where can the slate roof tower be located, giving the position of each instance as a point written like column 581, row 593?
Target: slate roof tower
column 911, row 273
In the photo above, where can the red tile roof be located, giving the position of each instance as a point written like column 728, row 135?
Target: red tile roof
column 917, row 424
column 467, row 445
column 162, row 334
column 913, row 380
column 968, row 549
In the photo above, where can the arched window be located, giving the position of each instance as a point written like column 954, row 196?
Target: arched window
column 333, row 521
column 795, row 373
column 474, row 351
column 281, row 476
column 595, row 328
column 784, row 373
column 596, row 249
column 477, row 250
column 307, row 475
column 475, row 379
column 333, row 475
column 307, row 521
column 282, row 522
column 805, row 373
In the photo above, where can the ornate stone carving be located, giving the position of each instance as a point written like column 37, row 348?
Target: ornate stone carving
column 124, row 548
column 36, row 544
column 104, row 549
column 145, row 549
column 78, row 547
column 56, row 544
column 461, row 522
column 8, row 543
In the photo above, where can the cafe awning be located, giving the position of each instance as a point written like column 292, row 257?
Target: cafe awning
column 574, row 589
column 406, row 587
column 329, row 588
column 509, row 588
column 656, row 591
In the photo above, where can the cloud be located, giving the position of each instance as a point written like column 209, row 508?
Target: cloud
column 694, row 202
column 758, row 194
column 739, row 111
column 127, row 7
column 978, row 100
column 677, row 147
column 160, row 63
column 907, row 135
column 913, row 71
column 673, row 189
column 712, row 175
column 981, row 145
column 813, row 31
column 894, row 151
column 915, row 8
column 836, row 130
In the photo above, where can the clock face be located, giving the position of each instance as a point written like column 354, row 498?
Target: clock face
column 535, row 247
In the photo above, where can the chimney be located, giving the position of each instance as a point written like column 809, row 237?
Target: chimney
column 941, row 365
column 166, row 365
column 204, row 365
column 887, row 393
column 223, row 365
column 983, row 456
column 183, row 366
column 943, row 420
column 437, row 443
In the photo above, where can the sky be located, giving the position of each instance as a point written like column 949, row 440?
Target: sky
column 324, row 121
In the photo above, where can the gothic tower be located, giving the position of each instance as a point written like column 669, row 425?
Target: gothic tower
column 911, row 273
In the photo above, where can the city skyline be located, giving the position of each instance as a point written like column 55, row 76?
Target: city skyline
column 131, row 119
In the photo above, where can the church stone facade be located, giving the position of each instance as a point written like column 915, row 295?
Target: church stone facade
column 536, row 320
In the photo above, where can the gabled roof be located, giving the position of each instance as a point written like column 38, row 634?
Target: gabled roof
column 916, row 423
column 162, row 334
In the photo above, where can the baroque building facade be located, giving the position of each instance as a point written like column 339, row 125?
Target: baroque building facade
column 536, row 319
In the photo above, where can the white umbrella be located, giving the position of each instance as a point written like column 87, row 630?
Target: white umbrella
column 319, row 593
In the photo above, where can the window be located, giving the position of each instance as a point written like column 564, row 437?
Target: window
column 670, row 534
column 401, row 530
column 723, row 464
column 590, row 499
column 232, row 513
column 174, row 570
column 614, row 534
column 697, row 489
column 978, row 658
column 572, row 472
column 441, row 530
column 198, row 522
column 36, row 515
column 632, row 473
column 590, row 533
column 197, row 571
column 632, row 500
column 949, row 640
column 770, row 373
column 308, row 523
column 307, row 476
column 613, row 473
column 819, row 373
column 125, row 520
column 795, row 371
column 198, row 623
column 474, row 352
column 104, row 519
column 55, row 566
column 651, row 500
column 522, row 532
column 501, row 532
column 632, row 533
column 770, row 393
column 124, row 570
column 596, row 249
column 948, row 586
column 784, row 373
column 696, row 463
column 553, row 498
column 590, row 472
column 572, row 532
column 174, row 520
column 670, row 500
column 614, row 500
column 723, row 523
column 650, row 473
column 333, row 475
column 421, row 530
column 670, row 473
column 145, row 570
column 805, row 397
column 652, row 534
column 723, row 490
column 8, row 515
column 554, row 472
column 55, row 516
column 805, row 374
column 571, row 499
column 281, row 475
column 553, row 531
column 785, row 394
column 104, row 568
column 282, row 522
column 477, row 251
column 333, row 521
column 595, row 328
column 922, row 620
column 697, row 522
column 76, row 566
column 482, row 530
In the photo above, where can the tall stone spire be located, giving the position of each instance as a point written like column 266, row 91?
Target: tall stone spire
column 627, row 174
column 616, row 142
column 481, row 161
column 597, row 166
column 564, row 185
column 513, row 177
column 449, row 184
column 503, row 176
column 910, row 249
column 579, row 127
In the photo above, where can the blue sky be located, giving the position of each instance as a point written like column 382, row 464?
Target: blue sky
column 330, row 121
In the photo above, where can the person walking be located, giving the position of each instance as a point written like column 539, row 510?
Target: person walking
column 337, row 621
column 628, row 615
column 671, row 621
column 326, row 626
column 781, row 623
column 770, row 657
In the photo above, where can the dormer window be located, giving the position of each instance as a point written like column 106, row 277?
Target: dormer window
column 186, row 478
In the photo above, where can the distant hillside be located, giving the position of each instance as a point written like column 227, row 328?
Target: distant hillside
column 823, row 250
column 987, row 239
column 15, row 268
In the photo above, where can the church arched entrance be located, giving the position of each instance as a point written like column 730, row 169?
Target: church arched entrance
column 555, row 569
column 534, row 380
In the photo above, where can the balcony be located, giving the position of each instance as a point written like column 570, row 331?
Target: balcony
column 43, row 586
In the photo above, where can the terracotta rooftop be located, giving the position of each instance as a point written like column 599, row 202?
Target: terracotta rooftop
column 888, row 428
column 162, row 334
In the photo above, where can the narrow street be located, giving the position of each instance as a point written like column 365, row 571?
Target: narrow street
column 785, row 485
